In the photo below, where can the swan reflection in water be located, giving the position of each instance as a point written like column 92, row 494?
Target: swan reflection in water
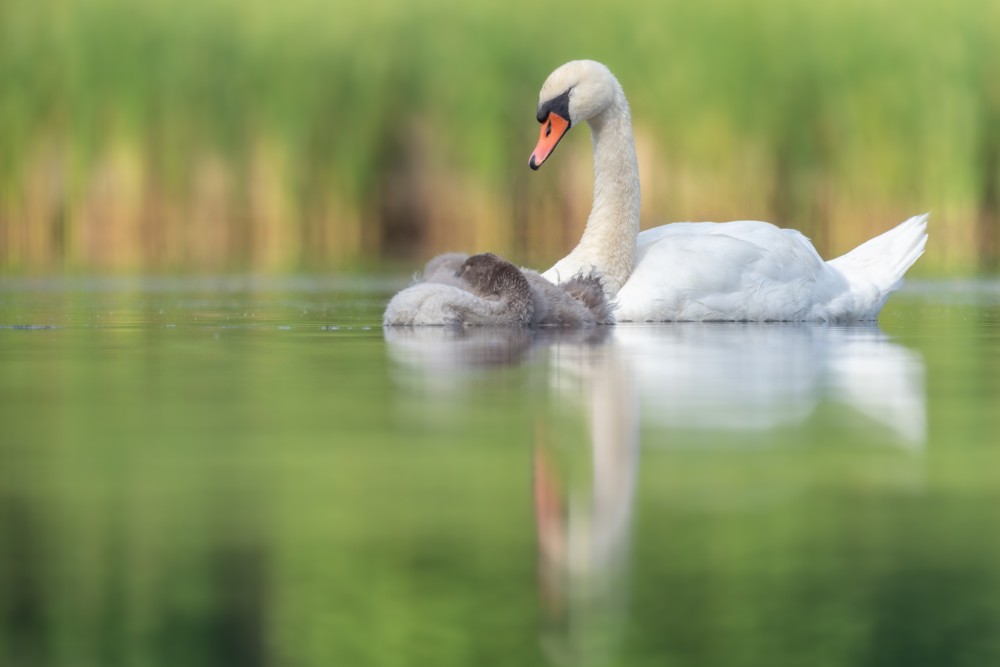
column 748, row 376
column 603, row 382
column 703, row 376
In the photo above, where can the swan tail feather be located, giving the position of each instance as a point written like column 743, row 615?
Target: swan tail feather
column 885, row 259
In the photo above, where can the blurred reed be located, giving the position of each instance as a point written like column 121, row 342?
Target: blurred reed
column 253, row 135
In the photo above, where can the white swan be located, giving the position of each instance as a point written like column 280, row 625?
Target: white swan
column 747, row 270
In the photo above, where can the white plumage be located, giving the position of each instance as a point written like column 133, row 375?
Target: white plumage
column 747, row 270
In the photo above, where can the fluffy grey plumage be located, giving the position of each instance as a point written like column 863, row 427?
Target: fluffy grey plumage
column 444, row 269
column 492, row 277
column 485, row 289
column 581, row 302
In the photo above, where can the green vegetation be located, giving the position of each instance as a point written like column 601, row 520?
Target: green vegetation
column 228, row 134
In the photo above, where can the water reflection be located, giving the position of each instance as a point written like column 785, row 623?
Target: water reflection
column 602, row 383
column 738, row 376
column 584, row 490
column 23, row 602
column 749, row 376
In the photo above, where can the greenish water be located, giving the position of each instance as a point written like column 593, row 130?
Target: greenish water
column 252, row 472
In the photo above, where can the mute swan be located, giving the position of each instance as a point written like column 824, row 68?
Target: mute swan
column 485, row 290
column 747, row 270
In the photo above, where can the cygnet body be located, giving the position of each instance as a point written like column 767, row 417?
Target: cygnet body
column 486, row 290
column 580, row 302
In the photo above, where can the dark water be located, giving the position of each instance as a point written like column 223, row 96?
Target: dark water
column 251, row 472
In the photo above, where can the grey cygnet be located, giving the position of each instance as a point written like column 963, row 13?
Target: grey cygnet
column 488, row 290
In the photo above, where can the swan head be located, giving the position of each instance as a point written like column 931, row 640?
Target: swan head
column 573, row 93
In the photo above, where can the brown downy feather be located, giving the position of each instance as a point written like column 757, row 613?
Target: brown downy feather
column 589, row 289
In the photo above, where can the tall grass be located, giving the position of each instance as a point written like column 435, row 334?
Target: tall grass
column 226, row 134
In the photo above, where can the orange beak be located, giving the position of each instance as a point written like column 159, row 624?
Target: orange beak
column 553, row 129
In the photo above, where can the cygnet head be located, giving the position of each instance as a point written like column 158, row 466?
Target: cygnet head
column 573, row 93
column 490, row 275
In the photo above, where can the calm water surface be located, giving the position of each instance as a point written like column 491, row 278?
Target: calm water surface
column 252, row 472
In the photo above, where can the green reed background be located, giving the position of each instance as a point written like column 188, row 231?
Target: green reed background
column 304, row 134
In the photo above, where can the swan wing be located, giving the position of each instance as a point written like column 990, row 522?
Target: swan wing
column 745, row 270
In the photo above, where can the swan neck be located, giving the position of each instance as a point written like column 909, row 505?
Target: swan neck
column 609, row 240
